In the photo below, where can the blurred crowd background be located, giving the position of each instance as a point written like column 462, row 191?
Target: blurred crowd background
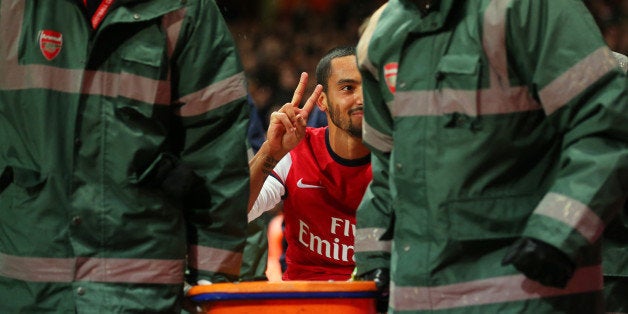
column 279, row 39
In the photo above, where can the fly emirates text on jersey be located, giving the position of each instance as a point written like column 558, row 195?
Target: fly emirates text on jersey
column 325, row 245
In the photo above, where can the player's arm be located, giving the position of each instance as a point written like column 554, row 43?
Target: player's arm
column 286, row 129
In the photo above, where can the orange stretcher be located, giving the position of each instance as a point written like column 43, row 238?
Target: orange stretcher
column 287, row 297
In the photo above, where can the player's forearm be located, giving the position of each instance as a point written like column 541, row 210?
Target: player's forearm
column 260, row 166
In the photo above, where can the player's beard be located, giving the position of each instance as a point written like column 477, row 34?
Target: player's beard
column 345, row 124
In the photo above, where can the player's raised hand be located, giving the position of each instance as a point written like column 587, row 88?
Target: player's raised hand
column 287, row 125
column 285, row 130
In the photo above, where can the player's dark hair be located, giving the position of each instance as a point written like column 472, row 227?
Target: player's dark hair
column 323, row 69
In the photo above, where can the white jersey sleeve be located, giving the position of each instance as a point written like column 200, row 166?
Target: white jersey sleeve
column 273, row 189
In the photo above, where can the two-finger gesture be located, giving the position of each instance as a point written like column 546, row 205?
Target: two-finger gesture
column 287, row 125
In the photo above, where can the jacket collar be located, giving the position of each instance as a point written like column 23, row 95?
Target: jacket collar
column 128, row 11
column 429, row 15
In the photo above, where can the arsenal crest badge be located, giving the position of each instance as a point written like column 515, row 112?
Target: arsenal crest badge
column 390, row 75
column 50, row 43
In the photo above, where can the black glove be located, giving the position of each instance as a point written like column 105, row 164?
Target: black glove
column 181, row 182
column 381, row 277
column 540, row 261
column 176, row 179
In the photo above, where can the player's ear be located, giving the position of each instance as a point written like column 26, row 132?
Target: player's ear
column 321, row 102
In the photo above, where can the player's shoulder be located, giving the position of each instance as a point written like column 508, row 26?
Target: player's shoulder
column 315, row 131
column 314, row 141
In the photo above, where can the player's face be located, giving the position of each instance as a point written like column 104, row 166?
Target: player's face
column 344, row 95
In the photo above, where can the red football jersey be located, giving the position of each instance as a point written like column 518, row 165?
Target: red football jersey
column 322, row 194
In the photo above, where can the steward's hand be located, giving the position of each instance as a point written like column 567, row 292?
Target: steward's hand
column 381, row 277
column 540, row 261
column 188, row 305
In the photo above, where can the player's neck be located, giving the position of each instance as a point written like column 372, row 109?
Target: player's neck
column 345, row 145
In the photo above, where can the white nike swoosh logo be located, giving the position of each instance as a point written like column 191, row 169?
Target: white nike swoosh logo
column 308, row 186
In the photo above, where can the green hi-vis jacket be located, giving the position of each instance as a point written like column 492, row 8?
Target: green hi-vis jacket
column 615, row 263
column 489, row 120
column 86, row 116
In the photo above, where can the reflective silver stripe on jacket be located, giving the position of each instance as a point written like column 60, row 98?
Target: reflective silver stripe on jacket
column 362, row 48
column 472, row 103
column 214, row 96
column 214, row 260
column 370, row 135
column 18, row 77
column 126, row 85
column 500, row 97
column 373, row 137
column 171, row 22
column 622, row 60
column 369, row 240
column 572, row 83
column 573, row 213
column 489, row 291
column 147, row 90
column 494, row 43
column 34, row 76
column 113, row 270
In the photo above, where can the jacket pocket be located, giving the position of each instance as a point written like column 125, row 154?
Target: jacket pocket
column 457, row 81
column 143, row 67
column 459, row 64
column 142, row 107
column 489, row 218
